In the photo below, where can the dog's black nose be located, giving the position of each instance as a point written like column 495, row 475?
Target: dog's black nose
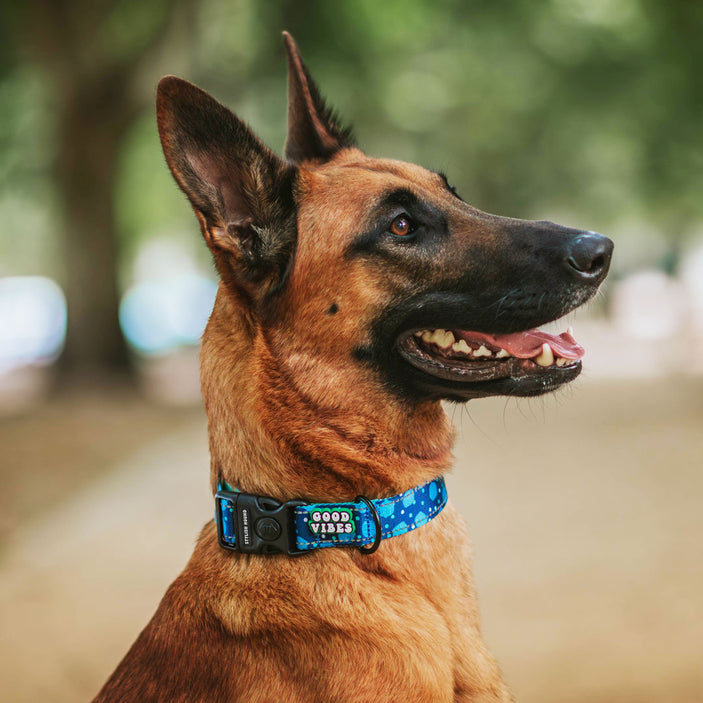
column 588, row 255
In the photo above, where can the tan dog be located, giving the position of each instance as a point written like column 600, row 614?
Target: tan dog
column 355, row 295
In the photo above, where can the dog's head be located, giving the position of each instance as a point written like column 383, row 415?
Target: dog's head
column 362, row 273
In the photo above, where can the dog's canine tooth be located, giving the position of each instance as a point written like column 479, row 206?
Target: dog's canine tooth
column 502, row 354
column 570, row 330
column 483, row 351
column 461, row 347
column 546, row 357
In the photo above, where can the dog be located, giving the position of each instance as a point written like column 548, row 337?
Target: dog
column 355, row 295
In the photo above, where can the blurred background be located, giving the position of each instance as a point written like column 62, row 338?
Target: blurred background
column 584, row 507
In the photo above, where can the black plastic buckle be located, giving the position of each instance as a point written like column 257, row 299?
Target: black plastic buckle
column 262, row 525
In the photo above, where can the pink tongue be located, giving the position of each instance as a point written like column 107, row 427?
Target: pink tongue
column 525, row 345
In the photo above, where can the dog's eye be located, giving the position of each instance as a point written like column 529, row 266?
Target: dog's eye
column 402, row 226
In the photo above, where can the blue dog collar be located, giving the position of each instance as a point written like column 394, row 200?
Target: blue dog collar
column 259, row 525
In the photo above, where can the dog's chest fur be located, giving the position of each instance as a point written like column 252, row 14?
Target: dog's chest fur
column 399, row 625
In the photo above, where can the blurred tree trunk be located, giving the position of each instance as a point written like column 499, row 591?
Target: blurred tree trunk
column 81, row 48
column 91, row 124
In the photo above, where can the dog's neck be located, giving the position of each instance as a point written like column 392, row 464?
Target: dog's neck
column 270, row 436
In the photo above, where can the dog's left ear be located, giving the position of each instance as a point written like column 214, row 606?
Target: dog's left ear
column 314, row 131
column 242, row 193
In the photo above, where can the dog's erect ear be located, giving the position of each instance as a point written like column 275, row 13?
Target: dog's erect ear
column 240, row 190
column 314, row 131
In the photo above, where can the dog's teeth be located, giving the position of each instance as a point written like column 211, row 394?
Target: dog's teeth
column 443, row 338
column 570, row 331
column 419, row 333
column 546, row 357
column 426, row 336
column 502, row 354
column 562, row 362
column 482, row 351
column 462, row 347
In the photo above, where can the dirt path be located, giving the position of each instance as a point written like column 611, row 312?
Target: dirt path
column 586, row 519
column 70, row 442
column 584, row 511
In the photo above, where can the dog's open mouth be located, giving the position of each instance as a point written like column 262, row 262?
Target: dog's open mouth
column 466, row 357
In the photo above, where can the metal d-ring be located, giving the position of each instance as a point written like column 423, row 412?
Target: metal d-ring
column 377, row 523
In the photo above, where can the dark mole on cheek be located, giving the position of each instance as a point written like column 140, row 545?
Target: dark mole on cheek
column 333, row 309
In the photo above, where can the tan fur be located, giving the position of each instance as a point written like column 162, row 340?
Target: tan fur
column 284, row 420
column 291, row 416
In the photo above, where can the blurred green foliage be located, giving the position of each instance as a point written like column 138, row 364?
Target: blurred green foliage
column 585, row 111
